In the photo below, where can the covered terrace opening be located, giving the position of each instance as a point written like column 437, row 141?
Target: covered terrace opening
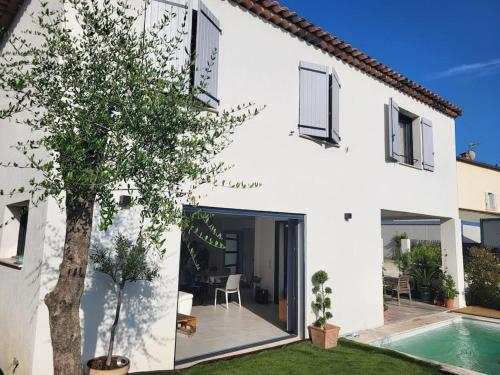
column 243, row 293
column 418, row 248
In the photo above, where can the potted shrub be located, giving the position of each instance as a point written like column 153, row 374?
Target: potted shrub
column 386, row 312
column 425, row 267
column 449, row 290
column 124, row 262
column 323, row 335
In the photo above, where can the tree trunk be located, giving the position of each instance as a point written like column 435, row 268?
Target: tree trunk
column 115, row 323
column 63, row 301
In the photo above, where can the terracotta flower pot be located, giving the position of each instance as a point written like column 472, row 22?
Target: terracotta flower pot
column 450, row 302
column 386, row 314
column 326, row 337
column 119, row 366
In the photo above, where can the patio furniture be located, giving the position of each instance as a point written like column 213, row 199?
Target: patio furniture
column 186, row 324
column 232, row 286
column 403, row 287
column 184, row 303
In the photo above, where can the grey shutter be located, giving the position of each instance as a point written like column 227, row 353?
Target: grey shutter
column 428, row 145
column 179, row 26
column 313, row 100
column 207, row 56
column 394, row 130
column 335, row 107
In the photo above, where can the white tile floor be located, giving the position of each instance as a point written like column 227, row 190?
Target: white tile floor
column 219, row 329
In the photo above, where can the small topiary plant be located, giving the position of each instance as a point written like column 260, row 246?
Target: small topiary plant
column 323, row 302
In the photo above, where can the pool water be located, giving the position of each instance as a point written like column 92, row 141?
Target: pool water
column 465, row 343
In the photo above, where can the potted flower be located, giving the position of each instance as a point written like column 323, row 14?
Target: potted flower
column 449, row 290
column 124, row 262
column 323, row 335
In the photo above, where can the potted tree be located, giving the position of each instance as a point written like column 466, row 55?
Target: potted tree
column 125, row 262
column 449, row 290
column 323, row 335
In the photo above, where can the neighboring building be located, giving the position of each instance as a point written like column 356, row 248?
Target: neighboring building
column 344, row 143
column 478, row 197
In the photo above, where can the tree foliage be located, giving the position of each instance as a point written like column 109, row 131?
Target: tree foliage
column 113, row 109
column 482, row 275
column 109, row 109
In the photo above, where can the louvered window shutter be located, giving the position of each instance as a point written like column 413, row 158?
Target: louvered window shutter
column 394, row 130
column 335, row 92
column 427, row 145
column 491, row 201
column 178, row 28
column 207, row 56
column 314, row 82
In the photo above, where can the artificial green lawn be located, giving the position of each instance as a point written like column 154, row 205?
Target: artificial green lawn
column 302, row 358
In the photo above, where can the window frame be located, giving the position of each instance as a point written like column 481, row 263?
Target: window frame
column 14, row 234
column 237, row 252
column 406, row 124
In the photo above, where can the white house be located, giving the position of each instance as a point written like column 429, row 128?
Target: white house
column 344, row 143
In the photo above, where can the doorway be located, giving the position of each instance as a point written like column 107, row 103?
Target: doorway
column 264, row 251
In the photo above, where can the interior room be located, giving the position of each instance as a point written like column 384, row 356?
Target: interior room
column 235, row 287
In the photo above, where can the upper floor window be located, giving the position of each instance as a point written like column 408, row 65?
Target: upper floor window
column 319, row 89
column 193, row 32
column 406, row 143
column 411, row 139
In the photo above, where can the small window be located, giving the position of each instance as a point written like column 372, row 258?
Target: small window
column 13, row 241
column 231, row 253
column 410, row 138
column 406, row 141
column 491, row 202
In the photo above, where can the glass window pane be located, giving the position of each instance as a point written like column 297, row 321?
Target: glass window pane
column 230, row 258
column 231, row 245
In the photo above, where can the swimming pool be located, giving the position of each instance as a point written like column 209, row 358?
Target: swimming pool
column 463, row 342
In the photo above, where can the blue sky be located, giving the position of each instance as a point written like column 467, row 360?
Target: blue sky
column 450, row 47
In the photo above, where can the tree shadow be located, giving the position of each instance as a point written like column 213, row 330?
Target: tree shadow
column 144, row 303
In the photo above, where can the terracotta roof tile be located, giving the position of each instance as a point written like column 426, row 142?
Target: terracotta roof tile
column 292, row 22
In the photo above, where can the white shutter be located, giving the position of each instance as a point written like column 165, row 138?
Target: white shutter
column 313, row 100
column 207, row 56
column 491, row 201
column 335, row 92
column 179, row 26
column 427, row 145
column 394, row 130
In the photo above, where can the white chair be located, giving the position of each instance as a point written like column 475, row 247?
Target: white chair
column 232, row 286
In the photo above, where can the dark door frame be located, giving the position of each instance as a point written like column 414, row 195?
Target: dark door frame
column 277, row 238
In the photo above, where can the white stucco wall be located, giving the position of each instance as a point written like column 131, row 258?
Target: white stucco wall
column 259, row 63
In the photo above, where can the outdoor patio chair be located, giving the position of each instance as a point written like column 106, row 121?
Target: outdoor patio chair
column 232, row 286
column 403, row 287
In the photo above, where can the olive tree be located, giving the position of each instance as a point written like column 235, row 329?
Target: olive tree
column 111, row 110
column 124, row 262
